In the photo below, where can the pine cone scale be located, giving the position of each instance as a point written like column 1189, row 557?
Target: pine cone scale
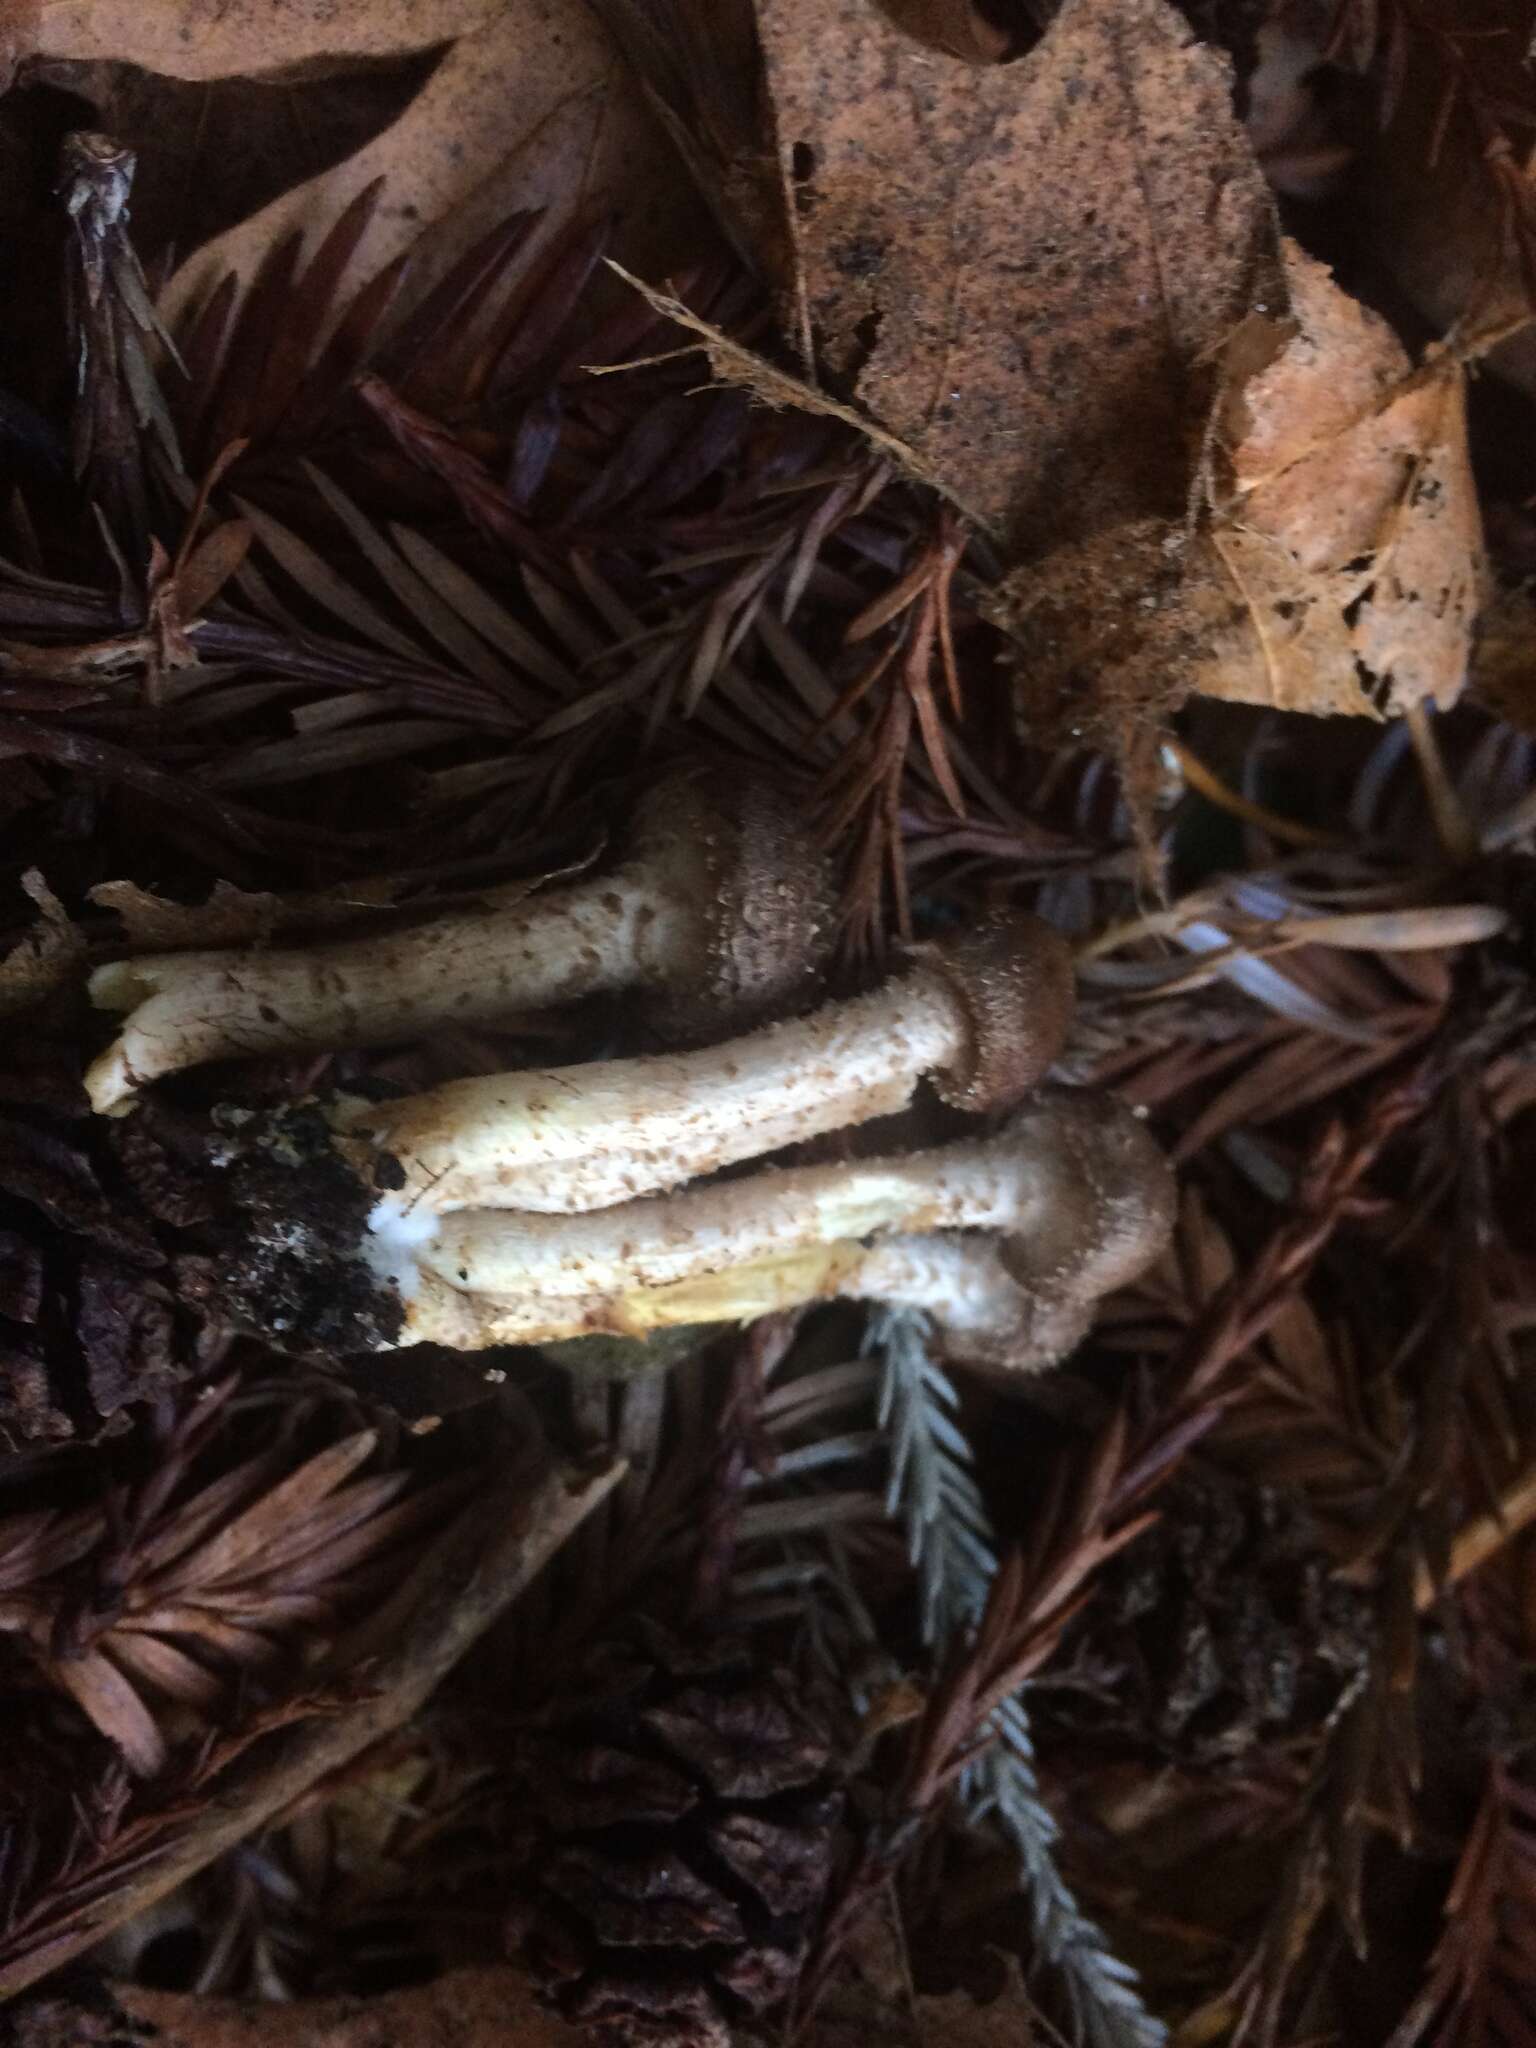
column 685, row 1815
column 658, row 1903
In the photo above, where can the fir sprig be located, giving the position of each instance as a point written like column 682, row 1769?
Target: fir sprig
column 934, row 1494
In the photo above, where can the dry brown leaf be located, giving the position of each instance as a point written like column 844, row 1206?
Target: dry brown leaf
column 1059, row 283
column 1024, row 271
column 1333, row 561
column 529, row 106
column 235, row 917
column 1351, row 528
column 216, row 38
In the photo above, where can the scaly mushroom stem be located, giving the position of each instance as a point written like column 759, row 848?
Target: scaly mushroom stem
column 719, row 916
column 1071, row 1200
column 996, row 1183
column 985, row 1315
column 982, row 1016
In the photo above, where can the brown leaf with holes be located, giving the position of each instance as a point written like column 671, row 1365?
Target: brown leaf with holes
column 1022, row 270
column 1348, row 523
column 1059, row 282
column 1333, row 560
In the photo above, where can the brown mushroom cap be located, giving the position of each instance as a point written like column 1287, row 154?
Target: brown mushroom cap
column 736, row 848
column 1014, row 977
column 1111, row 1214
column 1116, row 1196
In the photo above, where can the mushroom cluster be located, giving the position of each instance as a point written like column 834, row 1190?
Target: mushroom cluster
column 602, row 1198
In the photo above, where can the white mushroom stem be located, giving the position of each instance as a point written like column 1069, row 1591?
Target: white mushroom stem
column 1072, row 1200
column 984, row 1184
column 720, row 914
column 478, row 967
column 958, row 1273
column 985, row 1315
column 982, row 1017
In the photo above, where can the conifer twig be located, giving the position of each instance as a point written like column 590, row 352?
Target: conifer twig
column 933, row 1491
column 460, row 1588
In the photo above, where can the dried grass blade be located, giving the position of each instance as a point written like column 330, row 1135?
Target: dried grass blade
column 643, row 447
column 202, row 351
column 729, row 613
column 211, row 1626
column 605, row 698
column 190, row 1523
column 1234, row 962
column 308, row 1531
column 541, row 309
column 1432, row 927
column 343, row 356
column 831, row 512
column 35, row 1546
column 370, row 1537
column 251, row 342
column 881, row 610
column 435, row 450
column 573, row 632
column 919, row 683
column 718, row 423
column 210, row 565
